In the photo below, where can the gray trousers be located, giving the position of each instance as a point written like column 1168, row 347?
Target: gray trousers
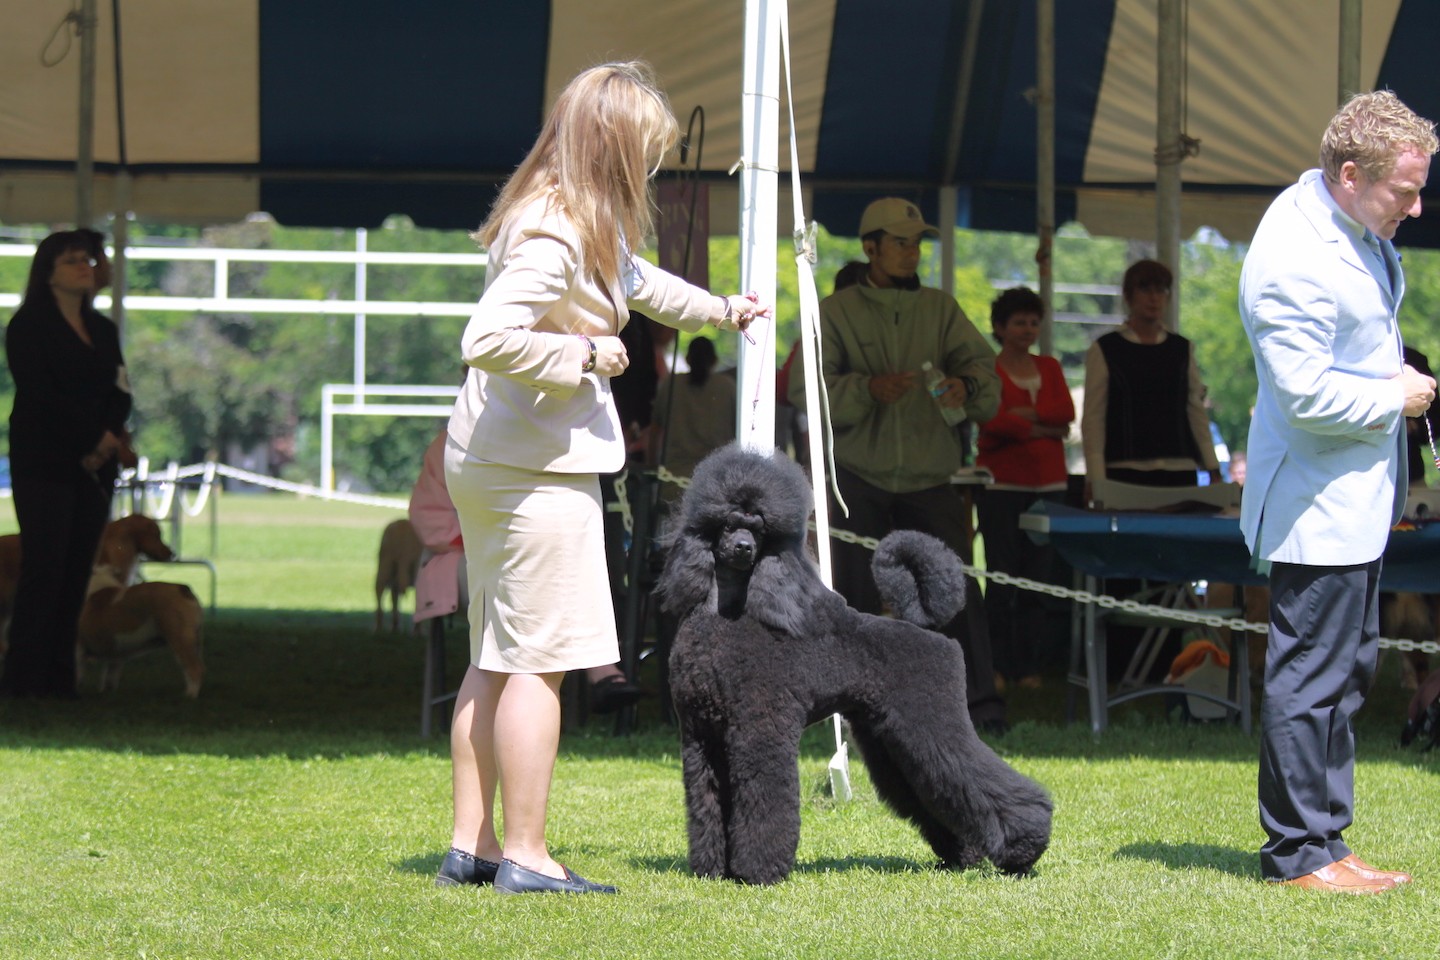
column 1320, row 663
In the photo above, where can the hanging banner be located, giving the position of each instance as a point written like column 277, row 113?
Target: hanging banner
column 685, row 223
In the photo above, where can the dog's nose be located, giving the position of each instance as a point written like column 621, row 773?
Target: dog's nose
column 738, row 549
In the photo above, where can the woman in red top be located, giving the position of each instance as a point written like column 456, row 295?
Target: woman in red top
column 1023, row 446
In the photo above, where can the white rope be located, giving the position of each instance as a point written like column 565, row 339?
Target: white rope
column 202, row 494
column 810, row 333
column 305, row 490
column 817, row 396
column 210, row 470
column 164, row 488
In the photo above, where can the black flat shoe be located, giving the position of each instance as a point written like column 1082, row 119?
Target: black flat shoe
column 513, row 878
column 461, row 868
column 609, row 694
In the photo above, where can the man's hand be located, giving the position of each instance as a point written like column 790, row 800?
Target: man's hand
column 890, row 387
column 1419, row 390
column 952, row 392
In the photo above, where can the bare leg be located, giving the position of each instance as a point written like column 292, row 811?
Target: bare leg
column 527, row 738
column 475, row 776
column 596, row 674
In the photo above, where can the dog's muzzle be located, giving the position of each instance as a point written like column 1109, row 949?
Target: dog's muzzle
column 738, row 549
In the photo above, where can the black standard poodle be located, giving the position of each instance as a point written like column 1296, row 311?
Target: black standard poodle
column 764, row 649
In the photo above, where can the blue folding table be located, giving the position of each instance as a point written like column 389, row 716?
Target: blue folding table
column 1174, row 547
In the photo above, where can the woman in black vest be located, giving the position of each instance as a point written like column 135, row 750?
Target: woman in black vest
column 1144, row 419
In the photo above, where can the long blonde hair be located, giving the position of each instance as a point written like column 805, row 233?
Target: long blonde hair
column 601, row 144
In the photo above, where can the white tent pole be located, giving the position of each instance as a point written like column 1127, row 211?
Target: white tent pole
column 1168, row 154
column 85, row 141
column 759, row 192
column 1045, row 166
column 1349, row 73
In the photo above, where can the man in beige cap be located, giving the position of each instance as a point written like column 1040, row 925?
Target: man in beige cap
column 895, row 443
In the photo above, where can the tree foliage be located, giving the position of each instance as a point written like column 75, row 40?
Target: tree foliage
column 230, row 385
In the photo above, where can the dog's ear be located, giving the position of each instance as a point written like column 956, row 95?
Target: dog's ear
column 689, row 574
column 786, row 593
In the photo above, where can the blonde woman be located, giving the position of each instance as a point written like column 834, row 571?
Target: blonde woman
column 534, row 426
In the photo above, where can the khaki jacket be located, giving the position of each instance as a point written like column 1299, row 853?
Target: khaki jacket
column 905, row 446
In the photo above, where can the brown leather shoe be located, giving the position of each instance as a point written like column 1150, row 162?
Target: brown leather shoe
column 1336, row 878
column 1366, row 872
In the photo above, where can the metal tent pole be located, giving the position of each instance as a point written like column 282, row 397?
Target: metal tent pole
column 949, row 195
column 1168, row 153
column 85, row 142
column 1349, row 66
column 120, row 231
column 1045, row 165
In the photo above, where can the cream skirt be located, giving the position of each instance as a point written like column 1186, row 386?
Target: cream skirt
column 535, row 548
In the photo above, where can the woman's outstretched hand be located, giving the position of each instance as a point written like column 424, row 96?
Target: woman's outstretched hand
column 741, row 311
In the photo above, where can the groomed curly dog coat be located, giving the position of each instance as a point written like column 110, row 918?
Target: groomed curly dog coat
column 764, row 649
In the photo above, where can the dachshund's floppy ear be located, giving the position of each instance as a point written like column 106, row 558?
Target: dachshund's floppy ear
column 689, row 574
column 785, row 593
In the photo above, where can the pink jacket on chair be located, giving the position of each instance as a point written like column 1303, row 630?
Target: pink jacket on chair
column 432, row 514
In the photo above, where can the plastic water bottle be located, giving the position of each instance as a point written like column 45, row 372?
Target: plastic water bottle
column 933, row 383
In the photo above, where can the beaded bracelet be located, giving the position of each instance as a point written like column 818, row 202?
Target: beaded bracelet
column 589, row 363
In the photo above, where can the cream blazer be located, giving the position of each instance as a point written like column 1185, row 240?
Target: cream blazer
column 1327, row 439
column 525, row 402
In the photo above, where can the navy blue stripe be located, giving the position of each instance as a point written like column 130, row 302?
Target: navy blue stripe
column 893, row 78
column 375, row 85
column 1409, row 70
column 884, row 87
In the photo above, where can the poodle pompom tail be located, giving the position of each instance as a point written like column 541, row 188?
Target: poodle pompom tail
column 919, row 577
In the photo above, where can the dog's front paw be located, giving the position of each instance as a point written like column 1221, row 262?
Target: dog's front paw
column 707, row 870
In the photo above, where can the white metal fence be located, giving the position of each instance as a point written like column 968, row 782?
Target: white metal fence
column 362, row 395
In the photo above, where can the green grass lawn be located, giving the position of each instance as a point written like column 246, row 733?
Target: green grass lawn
column 294, row 812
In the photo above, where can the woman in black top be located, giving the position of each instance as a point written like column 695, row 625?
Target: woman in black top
column 67, row 444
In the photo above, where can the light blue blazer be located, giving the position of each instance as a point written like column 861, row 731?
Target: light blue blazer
column 1327, row 438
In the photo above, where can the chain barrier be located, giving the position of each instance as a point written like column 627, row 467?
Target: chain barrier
column 209, row 471
column 1196, row 617
column 622, row 494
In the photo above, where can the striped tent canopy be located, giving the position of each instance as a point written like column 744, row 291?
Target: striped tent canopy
column 342, row 113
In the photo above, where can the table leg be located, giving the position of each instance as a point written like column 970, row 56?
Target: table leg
column 1095, row 680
